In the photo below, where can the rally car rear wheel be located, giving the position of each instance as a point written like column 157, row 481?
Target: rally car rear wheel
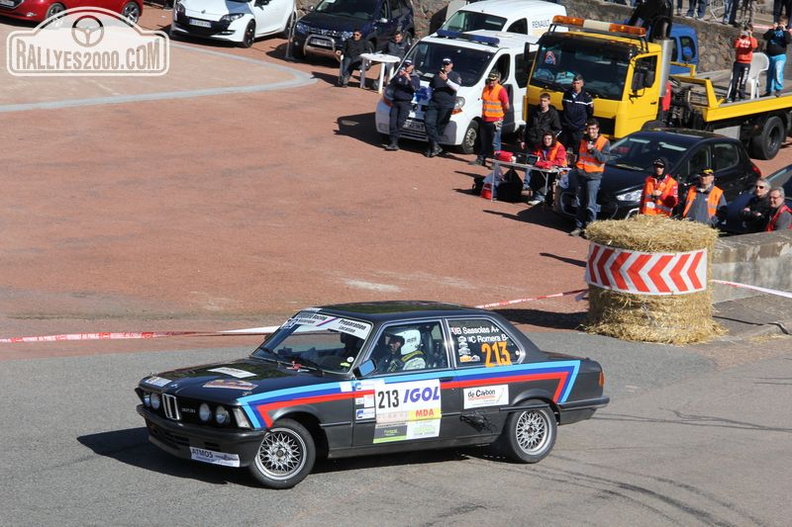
column 285, row 456
column 530, row 435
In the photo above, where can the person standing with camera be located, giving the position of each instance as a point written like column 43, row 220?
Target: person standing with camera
column 778, row 38
column 744, row 48
column 405, row 83
column 438, row 112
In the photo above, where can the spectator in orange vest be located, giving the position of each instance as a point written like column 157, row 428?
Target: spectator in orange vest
column 551, row 155
column 494, row 106
column 660, row 193
column 705, row 202
column 593, row 151
column 780, row 214
column 744, row 47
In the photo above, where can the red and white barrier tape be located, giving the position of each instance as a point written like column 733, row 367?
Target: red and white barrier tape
column 580, row 293
column 140, row 335
column 754, row 287
column 521, row 300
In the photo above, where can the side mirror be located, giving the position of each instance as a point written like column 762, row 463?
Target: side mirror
column 383, row 20
column 687, row 54
column 365, row 369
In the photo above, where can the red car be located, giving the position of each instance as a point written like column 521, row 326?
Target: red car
column 39, row 10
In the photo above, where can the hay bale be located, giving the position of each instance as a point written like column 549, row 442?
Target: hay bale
column 670, row 319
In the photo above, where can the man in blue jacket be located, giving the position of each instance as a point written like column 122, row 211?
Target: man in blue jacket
column 405, row 83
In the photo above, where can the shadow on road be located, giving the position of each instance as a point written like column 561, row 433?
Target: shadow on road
column 544, row 319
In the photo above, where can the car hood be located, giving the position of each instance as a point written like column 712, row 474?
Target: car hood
column 332, row 22
column 230, row 380
column 215, row 7
column 616, row 180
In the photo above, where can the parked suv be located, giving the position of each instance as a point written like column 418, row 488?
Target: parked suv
column 688, row 153
column 322, row 30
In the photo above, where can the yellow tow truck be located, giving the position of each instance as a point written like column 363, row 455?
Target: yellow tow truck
column 626, row 73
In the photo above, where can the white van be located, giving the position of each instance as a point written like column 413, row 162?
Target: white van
column 474, row 55
column 527, row 17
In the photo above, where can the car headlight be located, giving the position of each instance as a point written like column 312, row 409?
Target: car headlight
column 634, row 195
column 204, row 413
column 231, row 17
column 156, row 402
column 301, row 27
column 459, row 103
column 146, row 399
column 221, row 415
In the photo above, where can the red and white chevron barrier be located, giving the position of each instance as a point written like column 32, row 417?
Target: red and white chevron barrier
column 645, row 273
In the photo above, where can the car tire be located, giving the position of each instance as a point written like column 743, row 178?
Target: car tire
column 470, row 141
column 250, row 35
column 285, row 456
column 530, row 435
column 54, row 9
column 131, row 11
column 767, row 143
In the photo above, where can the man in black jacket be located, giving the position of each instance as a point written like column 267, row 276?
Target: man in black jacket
column 577, row 108
column 541, row 118
column 405, row 83
column 757, row 211
column 351, row 50
column 444, row 86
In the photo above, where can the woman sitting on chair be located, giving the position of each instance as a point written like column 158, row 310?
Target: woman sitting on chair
column 551, row 154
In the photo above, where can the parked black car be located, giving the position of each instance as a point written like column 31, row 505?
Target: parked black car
column 687, row 151
column 371, row 378
column 779, row 178
column 322, row 30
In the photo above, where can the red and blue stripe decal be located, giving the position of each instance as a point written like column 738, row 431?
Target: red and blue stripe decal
column 259, row 407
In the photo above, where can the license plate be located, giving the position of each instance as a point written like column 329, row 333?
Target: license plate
column 414, row 125
column 321, row 43
column 7, row 3
column 215, row 458
column 193, row 22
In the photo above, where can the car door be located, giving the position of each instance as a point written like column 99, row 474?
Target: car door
column 729, row 167
column 484, row 353
column 401, row 406
column 271, row 15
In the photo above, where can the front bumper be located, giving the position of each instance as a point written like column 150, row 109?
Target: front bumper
column 233, row 31
column 317, row 45
column 176, row 438
column 414, row 128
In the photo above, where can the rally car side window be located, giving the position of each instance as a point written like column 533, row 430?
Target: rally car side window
column 482, row 342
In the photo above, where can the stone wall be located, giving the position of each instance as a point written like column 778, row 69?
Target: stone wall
column 762, row 259
column 714, row 39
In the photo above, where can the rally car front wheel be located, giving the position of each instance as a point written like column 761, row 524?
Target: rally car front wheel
column 285, row 456
column 530, row 435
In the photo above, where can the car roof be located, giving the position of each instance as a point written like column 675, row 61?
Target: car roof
column 682, row 136
column 506, row 8
column 399, row 309
column 505, row 40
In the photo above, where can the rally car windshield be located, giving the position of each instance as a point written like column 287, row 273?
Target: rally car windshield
column 316, row 341
column 471, row 64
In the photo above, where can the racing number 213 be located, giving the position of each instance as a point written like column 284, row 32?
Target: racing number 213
column 388, row 399
column 498, row 351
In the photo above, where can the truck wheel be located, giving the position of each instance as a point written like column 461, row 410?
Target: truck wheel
column 471, row 139
column 766, row 144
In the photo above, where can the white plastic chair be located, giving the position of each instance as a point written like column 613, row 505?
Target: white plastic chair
column 759, row 65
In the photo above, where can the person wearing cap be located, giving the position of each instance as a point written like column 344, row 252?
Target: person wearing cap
column 494, row 106
column 778, row 39
column 405, row 83
column 756, row 212
column 577, row 107
column 744, row 47
column 705, row 202
column 444, row 86
column 780, row 214
column 660, row 193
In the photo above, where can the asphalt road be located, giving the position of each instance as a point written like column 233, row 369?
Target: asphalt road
column 680, row 444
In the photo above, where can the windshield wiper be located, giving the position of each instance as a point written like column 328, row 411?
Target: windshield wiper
column 266, row 354
column 300, row 361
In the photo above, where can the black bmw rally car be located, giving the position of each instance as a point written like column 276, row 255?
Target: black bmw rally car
column 371, row 378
